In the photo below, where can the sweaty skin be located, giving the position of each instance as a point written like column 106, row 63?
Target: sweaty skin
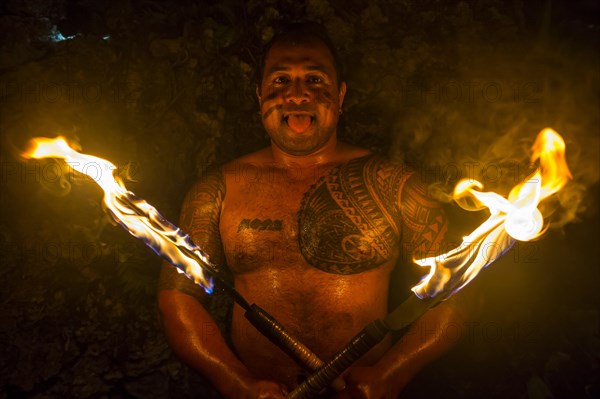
column 309, row 229
column 325, row 275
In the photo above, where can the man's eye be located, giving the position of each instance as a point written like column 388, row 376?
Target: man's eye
column 315, row 80
column 280, row 80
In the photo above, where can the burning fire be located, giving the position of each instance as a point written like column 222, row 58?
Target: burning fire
column 515, row 218
column 138, row 217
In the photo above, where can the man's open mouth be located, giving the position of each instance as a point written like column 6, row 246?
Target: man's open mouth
column 298, row 122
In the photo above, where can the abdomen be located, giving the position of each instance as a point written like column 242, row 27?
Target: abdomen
column 324, row 311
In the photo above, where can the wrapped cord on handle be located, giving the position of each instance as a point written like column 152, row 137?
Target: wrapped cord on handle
column 370, row 336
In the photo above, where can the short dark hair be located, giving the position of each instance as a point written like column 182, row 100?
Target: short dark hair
column 301, row 31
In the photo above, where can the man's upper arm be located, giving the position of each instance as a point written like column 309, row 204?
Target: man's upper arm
column 199, row 219
column 424, row 223
column 424, row 234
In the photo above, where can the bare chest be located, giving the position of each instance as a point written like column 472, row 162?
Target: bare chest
column 337, row 222
column 259, row 224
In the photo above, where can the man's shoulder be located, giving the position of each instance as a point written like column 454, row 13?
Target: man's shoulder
column 347, row 155
column 263, row 158
column 347, row 152
column 378, row 163
column 211, row 180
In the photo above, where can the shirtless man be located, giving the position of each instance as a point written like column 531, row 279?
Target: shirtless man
column 310, row 229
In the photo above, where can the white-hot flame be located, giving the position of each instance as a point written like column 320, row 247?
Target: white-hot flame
column 515, row 218
column 138, row 217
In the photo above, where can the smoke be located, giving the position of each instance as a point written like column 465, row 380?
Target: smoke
column 481, row 121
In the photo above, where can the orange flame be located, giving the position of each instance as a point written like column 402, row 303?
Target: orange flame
column 138, row 217
column 515, row 218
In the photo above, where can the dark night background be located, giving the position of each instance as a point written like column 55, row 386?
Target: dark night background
column 164, row 89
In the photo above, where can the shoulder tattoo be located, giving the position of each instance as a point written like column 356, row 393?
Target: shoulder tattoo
column 424, row 224
column 200, row 220
column 347, row 220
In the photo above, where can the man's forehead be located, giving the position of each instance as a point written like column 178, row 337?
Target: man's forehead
column 314, row 53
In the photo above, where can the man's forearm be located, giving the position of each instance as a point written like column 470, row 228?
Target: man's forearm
column 428, row 338
column 195, row 337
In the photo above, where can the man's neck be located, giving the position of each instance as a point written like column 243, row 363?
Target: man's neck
column 324, row 155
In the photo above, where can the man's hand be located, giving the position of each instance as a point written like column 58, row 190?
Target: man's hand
column 368, row 383
column 258, row 389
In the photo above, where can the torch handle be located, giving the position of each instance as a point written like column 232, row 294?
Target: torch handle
column 276, row 333
column 370, row 336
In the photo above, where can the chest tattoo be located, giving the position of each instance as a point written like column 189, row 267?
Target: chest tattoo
column 347, row 220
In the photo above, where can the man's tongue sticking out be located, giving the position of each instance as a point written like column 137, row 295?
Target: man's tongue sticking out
column 299, row 123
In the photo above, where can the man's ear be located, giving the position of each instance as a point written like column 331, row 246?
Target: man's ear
column 342, row 93
column 258, row 93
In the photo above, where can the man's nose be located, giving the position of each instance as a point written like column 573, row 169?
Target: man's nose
column 297, row 92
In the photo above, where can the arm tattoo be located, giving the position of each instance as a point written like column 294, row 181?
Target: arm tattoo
column 424, row 224
column 200, row 219
column 347, row 219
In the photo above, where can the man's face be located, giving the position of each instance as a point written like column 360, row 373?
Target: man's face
column 299, row 96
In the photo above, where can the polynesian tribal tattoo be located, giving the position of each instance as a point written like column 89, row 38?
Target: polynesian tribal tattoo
column 424, row 224
column 200, row 220
column 352, row 219
column 344, row 222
